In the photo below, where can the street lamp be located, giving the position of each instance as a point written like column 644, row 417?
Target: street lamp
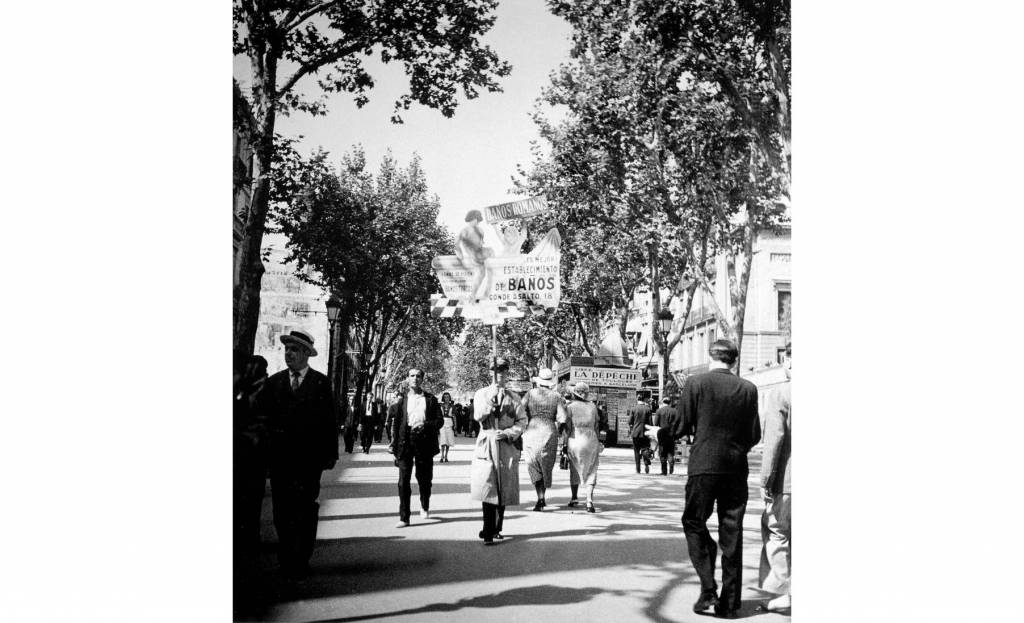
column 333, row 310
column 664, row 327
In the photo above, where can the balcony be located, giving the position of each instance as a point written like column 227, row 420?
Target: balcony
column 700, row 315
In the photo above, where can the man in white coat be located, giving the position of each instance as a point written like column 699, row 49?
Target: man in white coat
column 775, row 489
column 494, row 475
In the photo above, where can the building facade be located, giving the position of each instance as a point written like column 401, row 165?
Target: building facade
column 766, row 319
column 288, row 303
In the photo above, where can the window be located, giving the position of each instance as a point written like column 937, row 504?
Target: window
column 785, row 310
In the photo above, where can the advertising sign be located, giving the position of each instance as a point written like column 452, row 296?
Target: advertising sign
column 624, row 378
column 516, row 209
column 501, row 286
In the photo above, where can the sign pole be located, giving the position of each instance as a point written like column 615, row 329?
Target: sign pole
column 494, row 351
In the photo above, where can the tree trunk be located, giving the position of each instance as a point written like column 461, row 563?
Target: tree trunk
column 739, row 295
column 250, row 265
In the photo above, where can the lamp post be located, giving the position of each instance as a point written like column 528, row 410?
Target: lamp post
column 333, row 310
column 665, row 319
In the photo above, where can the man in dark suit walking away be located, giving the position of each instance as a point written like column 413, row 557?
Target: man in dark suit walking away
column 302, row 443
column 720, row 410
column 666, row 445
column 639, row 418
column 415, row 422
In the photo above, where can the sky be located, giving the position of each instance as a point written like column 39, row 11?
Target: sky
column 469, row 159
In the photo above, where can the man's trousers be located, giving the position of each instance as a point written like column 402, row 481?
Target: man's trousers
column 294, row 492
column 424, row 477
column 775, row 551
column 730, row 492
column 639, row 445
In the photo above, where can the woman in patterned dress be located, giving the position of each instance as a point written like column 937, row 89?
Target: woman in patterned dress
column 544, row 409
column 446, row 436
column 581, row 430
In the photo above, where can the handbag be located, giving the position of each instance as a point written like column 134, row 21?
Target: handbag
column 563, row 460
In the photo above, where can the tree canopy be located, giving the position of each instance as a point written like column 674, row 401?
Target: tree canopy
column 295, row 42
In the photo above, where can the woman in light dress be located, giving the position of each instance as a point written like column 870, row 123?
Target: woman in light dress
column 581, row 432
column 446, row 436
column 494, row 474
column 543, row 408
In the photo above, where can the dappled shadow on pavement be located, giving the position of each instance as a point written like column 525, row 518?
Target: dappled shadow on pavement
column 544, row 595
column 636, row 529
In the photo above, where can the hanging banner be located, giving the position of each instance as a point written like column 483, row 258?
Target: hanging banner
column 524, row 208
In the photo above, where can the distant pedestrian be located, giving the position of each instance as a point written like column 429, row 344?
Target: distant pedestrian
column 250, row 448
column 582, row 427
column 462, row 417
column 474, row 426
column 302, row 443
column 666, row 444
column 378, row 420
column 720, row 410
column 368, row 425
column 776, row 491
column 446, row 436
column 350, row 424
column 494, row 476
column 415, row 422
column 639, row 418
column 544, row 409
column 388, row 421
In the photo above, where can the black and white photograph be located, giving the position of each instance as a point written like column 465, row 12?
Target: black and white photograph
column 474, row 239
column 509, row 309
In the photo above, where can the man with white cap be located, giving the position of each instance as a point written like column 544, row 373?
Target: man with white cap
column 303, row 442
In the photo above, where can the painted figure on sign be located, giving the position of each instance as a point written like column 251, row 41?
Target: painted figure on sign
column 470, row 249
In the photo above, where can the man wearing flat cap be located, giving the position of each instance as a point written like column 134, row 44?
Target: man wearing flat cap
column 303, row 442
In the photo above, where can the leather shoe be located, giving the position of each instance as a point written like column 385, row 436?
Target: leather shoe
column 539, row 506
column 498, row 536
column 590, row 507
column 705, row 601
column 726, row 613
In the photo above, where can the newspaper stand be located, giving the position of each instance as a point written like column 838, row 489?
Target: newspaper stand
column 612, row 387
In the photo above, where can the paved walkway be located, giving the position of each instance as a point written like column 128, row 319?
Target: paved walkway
column 627, row 562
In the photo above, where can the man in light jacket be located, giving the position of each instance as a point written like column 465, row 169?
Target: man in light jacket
column 775, row 489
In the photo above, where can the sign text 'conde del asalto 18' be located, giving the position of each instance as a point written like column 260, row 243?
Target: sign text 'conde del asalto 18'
column 606, row 377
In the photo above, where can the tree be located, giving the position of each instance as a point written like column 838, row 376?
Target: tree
column 371, row 239
column 327, row 40
column 678, row 126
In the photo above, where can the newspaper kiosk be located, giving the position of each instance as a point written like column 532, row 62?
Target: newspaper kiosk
column 612, row 387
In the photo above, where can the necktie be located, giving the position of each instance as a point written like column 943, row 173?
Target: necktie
column 295, row 381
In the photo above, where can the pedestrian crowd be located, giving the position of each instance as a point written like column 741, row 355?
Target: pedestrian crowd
column 286, row 427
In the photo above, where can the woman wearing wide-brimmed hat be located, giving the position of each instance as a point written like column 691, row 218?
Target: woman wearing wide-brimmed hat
column 544, row 409
column 581, row 430
column 494, row 475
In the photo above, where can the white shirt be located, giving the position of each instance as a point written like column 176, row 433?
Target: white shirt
column 416, row 407
column 302, row 375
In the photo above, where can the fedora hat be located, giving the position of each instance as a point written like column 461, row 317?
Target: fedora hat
column 499, row 365
column 545, row 378
column 580, row 390
column 300, row 338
